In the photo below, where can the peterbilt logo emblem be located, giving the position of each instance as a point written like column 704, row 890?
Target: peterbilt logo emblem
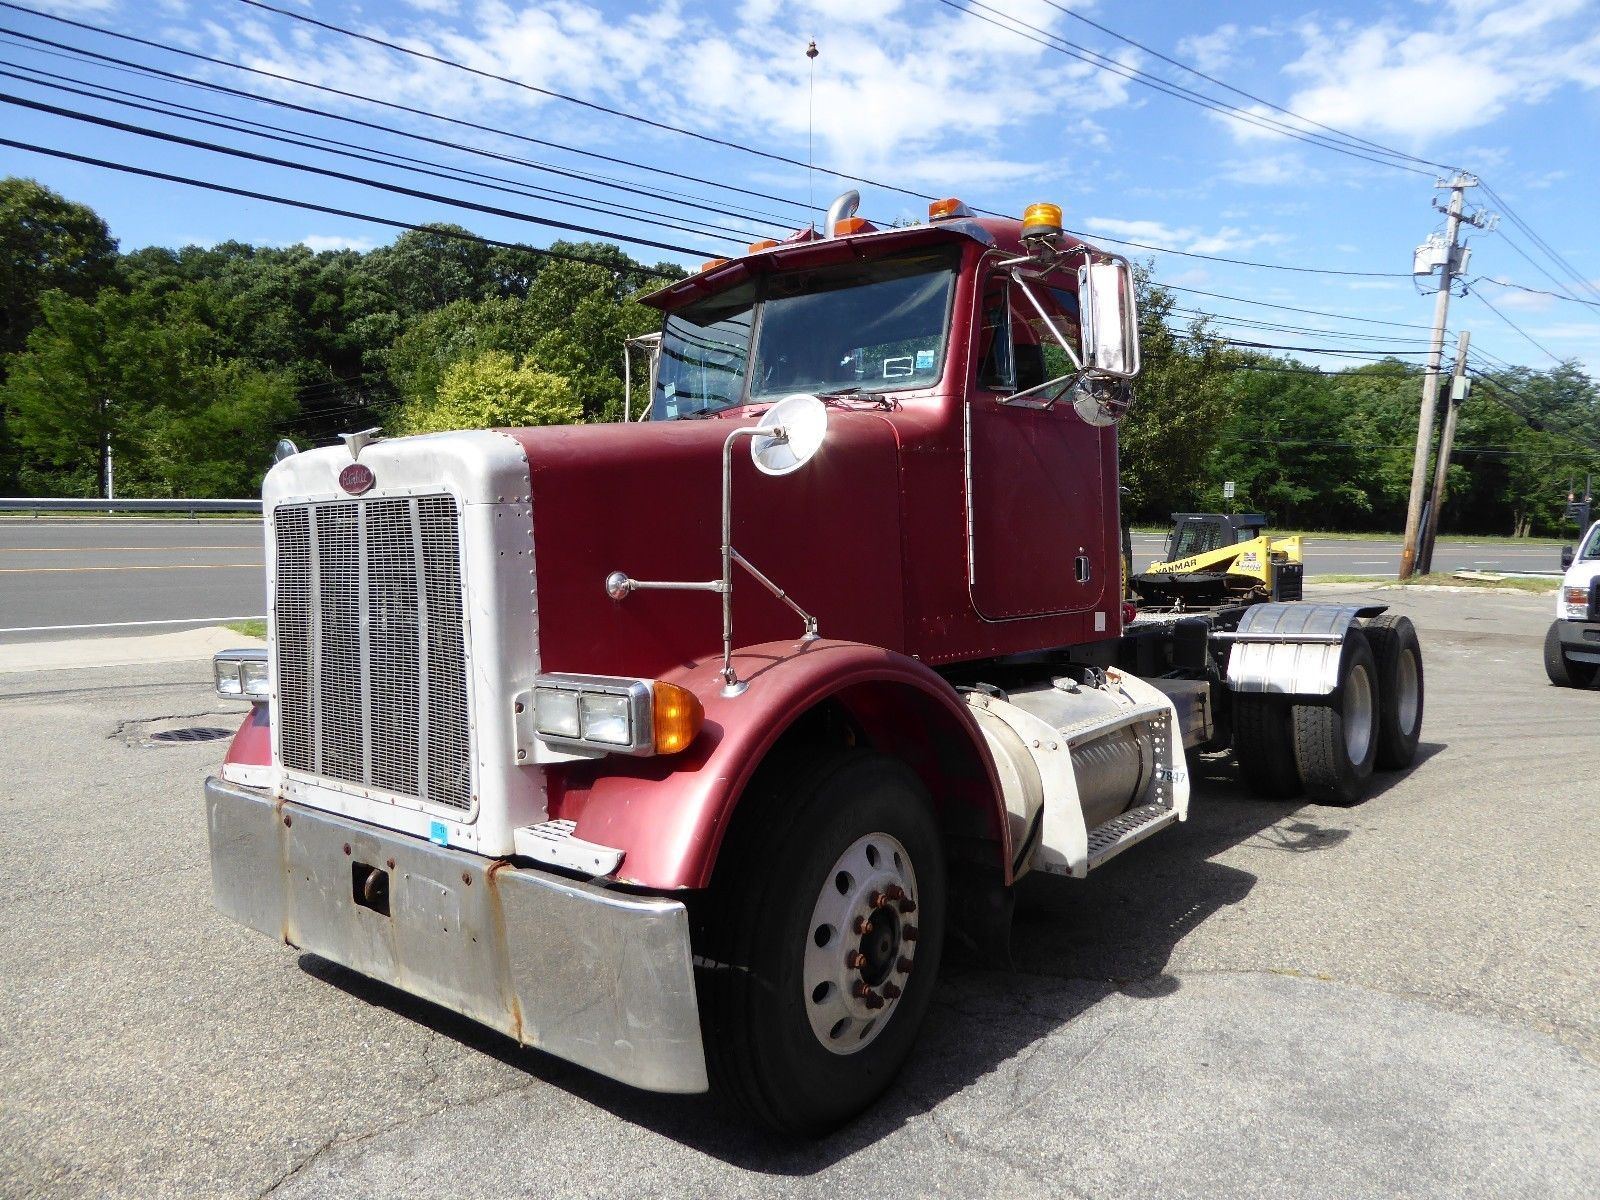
column 356, row 479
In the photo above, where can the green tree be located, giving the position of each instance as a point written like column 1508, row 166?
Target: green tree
column 147, row 381
column 46, row 243
column 490, row 390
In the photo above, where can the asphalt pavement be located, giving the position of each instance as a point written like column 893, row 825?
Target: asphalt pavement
column 89, row 578
column 1272, row 999
column 96, row 578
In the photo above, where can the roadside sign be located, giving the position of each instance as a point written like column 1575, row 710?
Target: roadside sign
column 1227, row 490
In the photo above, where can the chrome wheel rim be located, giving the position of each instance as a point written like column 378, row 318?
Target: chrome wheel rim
column 861, row 945
column 1358, row 711
column 1408, row 694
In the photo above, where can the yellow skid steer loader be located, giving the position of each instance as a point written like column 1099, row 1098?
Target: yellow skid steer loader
column 1214, row 559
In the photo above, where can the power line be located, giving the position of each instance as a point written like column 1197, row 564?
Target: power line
column 1310, row 312
column 1061, row 45
column 1555, row 255
column 393, row 223
column 1274, row 326
column 360, row 181
column 623, row 114
column 1183, row 66
column 395, row 106
column 1522, row 287
column 417, row 165
column 1525, row 334
column 357, row 96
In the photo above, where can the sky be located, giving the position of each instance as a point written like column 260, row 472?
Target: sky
column 1001, row 103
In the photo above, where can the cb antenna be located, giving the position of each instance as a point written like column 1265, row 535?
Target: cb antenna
column 811, row 116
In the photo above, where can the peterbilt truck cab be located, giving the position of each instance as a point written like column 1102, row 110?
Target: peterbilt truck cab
column 1572, row 643
column 674, row 747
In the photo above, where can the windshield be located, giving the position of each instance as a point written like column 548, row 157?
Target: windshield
column 1592, row 548
column 853, row 327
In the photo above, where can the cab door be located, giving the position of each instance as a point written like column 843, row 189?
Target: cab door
column 1036, row 473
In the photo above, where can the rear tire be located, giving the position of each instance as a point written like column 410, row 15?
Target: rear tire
column 1263, row 746
column 788, row 1036
column 1336, row 742
column 1562, row 670
column 1400, row 689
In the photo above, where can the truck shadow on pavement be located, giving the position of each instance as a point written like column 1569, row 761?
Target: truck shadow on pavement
column 1074, row 943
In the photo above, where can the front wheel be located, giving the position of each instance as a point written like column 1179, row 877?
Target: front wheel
column 1563, row 671
column 820, row 939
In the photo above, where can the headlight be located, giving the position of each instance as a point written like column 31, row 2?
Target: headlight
column 241, row 674
column 624, row 716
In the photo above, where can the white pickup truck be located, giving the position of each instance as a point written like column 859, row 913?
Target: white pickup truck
column 1572, row 647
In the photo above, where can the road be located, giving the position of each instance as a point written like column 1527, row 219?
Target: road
column 61, row 579
column 1272, row 999
column 125, row 576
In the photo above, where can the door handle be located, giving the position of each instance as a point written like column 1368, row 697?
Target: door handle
column 1084, row 569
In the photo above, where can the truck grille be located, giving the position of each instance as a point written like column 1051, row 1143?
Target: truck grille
column 371, row 653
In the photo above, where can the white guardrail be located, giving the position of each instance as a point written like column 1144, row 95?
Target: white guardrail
column 39, row 505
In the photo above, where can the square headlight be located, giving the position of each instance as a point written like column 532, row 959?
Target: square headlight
column 226, row 672
column 605, row 718
column 555, row 712
column 253, row 678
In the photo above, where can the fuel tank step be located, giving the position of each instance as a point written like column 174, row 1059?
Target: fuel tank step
column 1129, row 829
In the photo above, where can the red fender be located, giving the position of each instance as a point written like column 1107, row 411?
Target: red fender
column 668, row 814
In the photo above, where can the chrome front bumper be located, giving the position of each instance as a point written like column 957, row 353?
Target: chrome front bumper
column 600, row 978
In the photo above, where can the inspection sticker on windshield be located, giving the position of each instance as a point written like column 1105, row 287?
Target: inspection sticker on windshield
column 924, row 359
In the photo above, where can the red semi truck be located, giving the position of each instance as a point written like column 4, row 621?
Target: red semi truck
column 674, row 747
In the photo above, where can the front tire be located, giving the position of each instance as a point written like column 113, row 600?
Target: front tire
column 819, row 942
column 1563, row 671
column 1336, row 743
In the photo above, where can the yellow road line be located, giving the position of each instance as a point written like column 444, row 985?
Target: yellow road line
column 102, row 549
column 160, row 567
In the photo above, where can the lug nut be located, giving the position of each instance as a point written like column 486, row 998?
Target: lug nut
column 863, row 926
column 903, row 966
column 896, row 892
column 877, row 900
column 855, row 960
column 868, row 997
column 890, row 992
column 908, row 906
column 909, row 933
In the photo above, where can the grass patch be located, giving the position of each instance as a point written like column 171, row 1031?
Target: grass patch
column 255, row 629
column 1538, row 586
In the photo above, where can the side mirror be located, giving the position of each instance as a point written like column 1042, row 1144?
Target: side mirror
column 284, row 449
column 1566, row 557
column 1109, row 317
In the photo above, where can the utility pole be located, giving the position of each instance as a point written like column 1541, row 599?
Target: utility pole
column 1451, row 260
column 1459, row 384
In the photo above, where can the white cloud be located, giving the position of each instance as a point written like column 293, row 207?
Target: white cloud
column 1465, row 68
column 895, row 98
column 1210, row 52
column 318, row 242
column 1569, row 331
column 1227, row 240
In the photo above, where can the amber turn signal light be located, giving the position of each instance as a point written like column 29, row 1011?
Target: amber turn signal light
column 764, row 244
column 678, row 716
column 850, row 225
column 712, row 263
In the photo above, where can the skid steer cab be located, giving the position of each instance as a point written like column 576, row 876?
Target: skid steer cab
column 1220, row 558
column 675, row 747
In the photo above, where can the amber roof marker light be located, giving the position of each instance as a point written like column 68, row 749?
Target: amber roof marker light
column 947, row 209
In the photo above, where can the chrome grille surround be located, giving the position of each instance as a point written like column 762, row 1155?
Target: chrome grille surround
column 371, row 647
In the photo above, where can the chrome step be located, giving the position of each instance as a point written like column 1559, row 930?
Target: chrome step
column 1132, row 827
column 556, row 844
